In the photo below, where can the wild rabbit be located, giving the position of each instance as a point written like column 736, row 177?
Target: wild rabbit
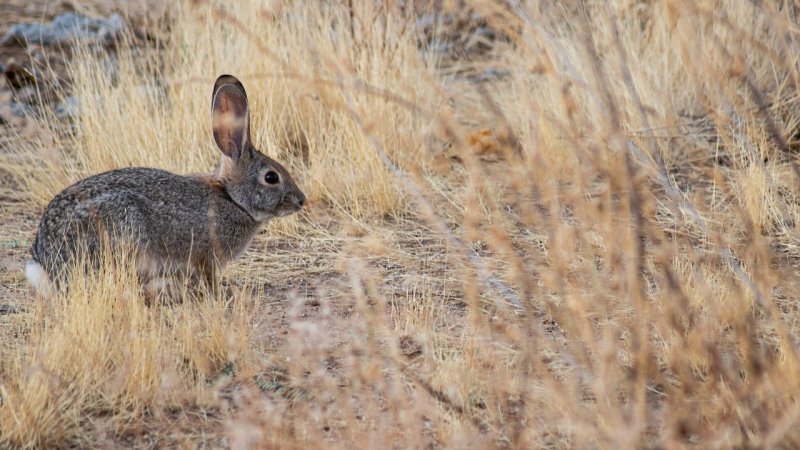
column 179, row 224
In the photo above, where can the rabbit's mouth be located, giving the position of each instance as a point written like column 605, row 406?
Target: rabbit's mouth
column 290, row 205
column 288, row 210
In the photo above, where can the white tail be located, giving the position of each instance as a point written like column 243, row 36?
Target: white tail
column 38, row 279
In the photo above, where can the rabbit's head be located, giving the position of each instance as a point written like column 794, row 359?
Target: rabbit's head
column 258, row 184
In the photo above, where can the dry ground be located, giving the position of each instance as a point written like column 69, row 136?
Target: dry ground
column 531, row 225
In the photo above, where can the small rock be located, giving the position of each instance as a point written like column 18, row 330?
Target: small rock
column 21, row 109
column 68, row 108
column 26, row 94
column 65, row 29
column 489, row 74
column 410, row 347
column 12, row 112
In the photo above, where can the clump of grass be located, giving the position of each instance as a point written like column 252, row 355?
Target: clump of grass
column 97, row 350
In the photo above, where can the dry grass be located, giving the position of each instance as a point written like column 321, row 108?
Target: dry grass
column 597, row 248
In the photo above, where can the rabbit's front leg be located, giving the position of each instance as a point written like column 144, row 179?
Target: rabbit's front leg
column 206, row 273
column 160, row 288
column 160, row 280
column 209, row 274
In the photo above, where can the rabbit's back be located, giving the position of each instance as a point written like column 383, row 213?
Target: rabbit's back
column 168, row 217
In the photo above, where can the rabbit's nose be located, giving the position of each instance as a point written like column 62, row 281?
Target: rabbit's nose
column 296, row 199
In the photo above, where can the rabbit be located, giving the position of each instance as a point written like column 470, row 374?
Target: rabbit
column 196, row 224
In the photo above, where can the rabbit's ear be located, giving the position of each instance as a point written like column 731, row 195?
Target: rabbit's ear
column 231, row 118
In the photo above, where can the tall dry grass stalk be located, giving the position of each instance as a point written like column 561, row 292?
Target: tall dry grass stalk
column 580, row 231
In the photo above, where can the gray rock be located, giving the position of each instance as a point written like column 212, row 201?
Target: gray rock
column 489, row 74
column 21, row 109
column 26, row 94
column 65, row 29
column 68, row 108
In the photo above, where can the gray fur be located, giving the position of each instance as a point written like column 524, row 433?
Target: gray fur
column 176, row 222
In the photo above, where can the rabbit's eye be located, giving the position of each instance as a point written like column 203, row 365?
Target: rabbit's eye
column 271, row 177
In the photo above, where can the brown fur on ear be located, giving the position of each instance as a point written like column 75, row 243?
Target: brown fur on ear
column 230, row 116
